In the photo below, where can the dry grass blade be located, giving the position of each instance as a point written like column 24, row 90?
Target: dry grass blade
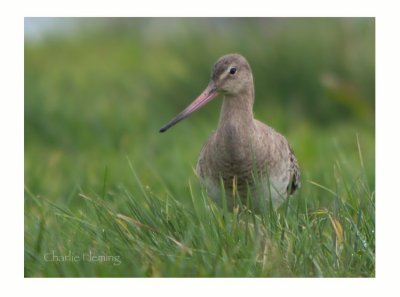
column 136, row 223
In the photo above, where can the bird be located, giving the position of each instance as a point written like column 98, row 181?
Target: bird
column 244, row 163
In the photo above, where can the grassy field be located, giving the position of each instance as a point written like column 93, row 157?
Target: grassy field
column 107, row 195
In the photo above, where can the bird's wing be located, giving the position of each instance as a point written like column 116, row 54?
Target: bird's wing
column 294, row 173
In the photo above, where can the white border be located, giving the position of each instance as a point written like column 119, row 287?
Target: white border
column 387, row 104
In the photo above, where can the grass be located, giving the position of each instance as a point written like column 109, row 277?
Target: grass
column 186, row 234
column 103, row 185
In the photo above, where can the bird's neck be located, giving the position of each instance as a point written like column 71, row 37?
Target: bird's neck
column 235, row 134
column 237, row 110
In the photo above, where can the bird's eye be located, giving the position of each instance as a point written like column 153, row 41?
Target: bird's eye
column 232, row 70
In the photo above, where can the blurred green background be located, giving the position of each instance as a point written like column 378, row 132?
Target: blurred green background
column 97, row 91
column 101, row 90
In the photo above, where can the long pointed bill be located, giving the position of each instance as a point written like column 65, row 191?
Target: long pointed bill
column 208, row 94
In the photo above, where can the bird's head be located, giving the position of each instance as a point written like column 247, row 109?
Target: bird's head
column 231, row 75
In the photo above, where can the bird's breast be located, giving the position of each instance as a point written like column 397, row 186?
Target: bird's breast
column 233, row 155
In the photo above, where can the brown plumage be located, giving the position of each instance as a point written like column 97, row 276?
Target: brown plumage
column 247, row 156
